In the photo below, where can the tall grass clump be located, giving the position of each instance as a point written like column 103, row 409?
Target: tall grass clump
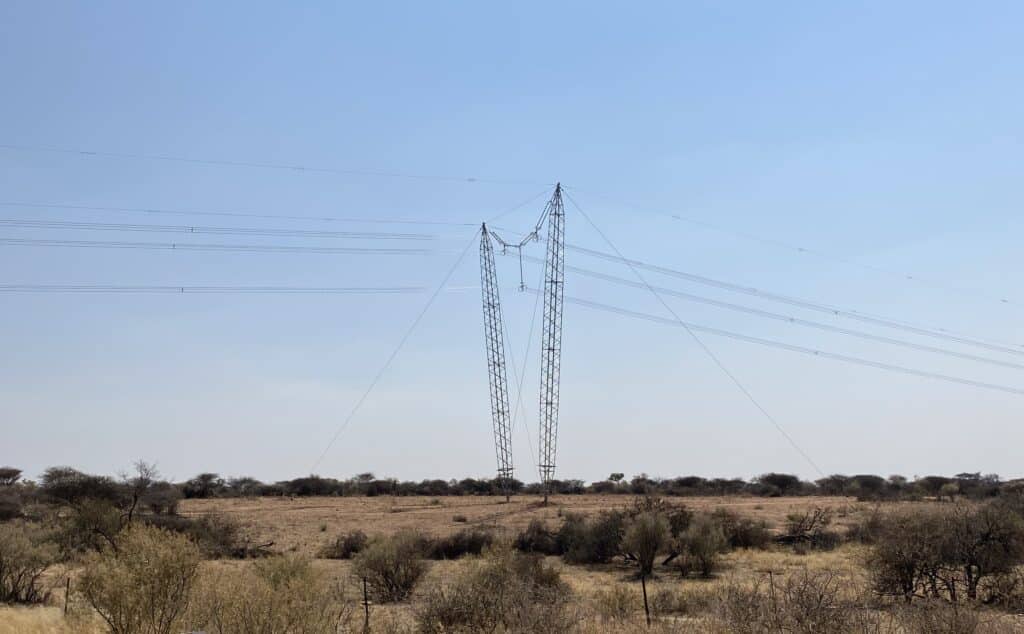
column 507, row 591
column 277, row 594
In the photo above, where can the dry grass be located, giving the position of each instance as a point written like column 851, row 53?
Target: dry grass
column 599, row 590
column 294, row 524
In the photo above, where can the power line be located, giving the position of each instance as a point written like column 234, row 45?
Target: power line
column 788, row 318
column 196, row 229
column 236, row 214
column 819, row 253
column 183, row 289
column 394, row 353
column 701, row 343
column 230, row 248
column 791, row 347
column 940, row 333
column 264, row 165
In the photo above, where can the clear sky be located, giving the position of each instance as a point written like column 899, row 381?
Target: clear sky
column 886, row 135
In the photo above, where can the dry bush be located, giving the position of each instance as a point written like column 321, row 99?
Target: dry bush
column 591, row 541
column 92, row 526
column 391, row 566
column 217, row 536
column 144, row 585
column 679, row 602
column 10, row 503
column 805, row 603
column 278, row 594
column 949, row 553
column 937, row 617
column 507, row 592
column 743, row 532
column 618, row 602
column 25, row 554
column 469, row 541
column 809, row 530
column 345, row 546
column 537, row 539
column 646, row 536
column 698, row 549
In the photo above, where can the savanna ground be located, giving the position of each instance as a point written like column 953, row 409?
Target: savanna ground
column 608, row 596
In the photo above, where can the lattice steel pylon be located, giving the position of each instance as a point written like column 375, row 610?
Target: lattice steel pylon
column 551, row 339
column 498, row 377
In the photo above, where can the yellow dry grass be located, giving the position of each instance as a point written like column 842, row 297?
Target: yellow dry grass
column 305, row 524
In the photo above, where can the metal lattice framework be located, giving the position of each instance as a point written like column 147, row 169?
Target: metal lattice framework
column 498, row 376
column 551, row 338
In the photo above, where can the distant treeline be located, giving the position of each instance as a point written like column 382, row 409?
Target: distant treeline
column 65, row 482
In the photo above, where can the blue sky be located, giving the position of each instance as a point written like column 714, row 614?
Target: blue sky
column 887, row 135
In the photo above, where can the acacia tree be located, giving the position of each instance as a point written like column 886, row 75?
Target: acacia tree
column 9, row 475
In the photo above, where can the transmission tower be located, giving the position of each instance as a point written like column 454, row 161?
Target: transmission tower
column 551, row 338
column 493, row 329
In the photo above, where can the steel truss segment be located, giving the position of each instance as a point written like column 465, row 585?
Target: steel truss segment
column 551, row 336
column 501, row 413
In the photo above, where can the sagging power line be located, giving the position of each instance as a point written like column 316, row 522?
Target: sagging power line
column 797, row 321
column 227, row 248
column 625, row 312
column 19, row 223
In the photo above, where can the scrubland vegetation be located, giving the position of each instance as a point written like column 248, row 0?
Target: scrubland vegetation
column 890, row 556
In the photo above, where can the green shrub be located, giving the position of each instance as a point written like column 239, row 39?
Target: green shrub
column 144, row 585
column 25, row 554
column 391, row 566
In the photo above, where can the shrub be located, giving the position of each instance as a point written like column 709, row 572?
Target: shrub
column 742, row 532
column 470, row 541
column 508, row 591
column 345, row 546
column 868, row 529
column 593, row 541
column 645, row 537
column 809, row 529
column 805, row 602
column 24, row 556
column 278, row 594
column 537, row 539
column 460, row 519
column 947, row 553
column 217, row 536
column 699, row 547
column 391, row 566
column 162, row 498
column 145, row 585
column 10, row 503
column 9, row 475
column 91, row 526
column 64, row 484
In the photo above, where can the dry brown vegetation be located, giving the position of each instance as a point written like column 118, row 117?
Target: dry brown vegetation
column 800, row 582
